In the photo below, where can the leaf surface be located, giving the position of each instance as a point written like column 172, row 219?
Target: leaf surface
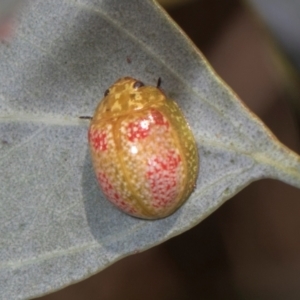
column 56, row 228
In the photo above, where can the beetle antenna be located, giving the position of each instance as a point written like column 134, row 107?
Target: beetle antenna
column 158, row 82
column 85, row 117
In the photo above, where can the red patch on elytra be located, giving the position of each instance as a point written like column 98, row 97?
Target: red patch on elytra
column 140, row 128
column 158, row 118
column 112, row 195
column 98, row 139
column 162, row 176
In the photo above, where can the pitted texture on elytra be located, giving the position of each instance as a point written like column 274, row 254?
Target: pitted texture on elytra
column 143, row 151
column 153, row 162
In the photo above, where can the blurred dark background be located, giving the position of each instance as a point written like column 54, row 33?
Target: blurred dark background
column 250, row 247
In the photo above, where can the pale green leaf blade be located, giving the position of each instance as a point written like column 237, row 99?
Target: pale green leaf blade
column 56, row 227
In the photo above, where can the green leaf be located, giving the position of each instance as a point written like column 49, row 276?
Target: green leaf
column 56, row 226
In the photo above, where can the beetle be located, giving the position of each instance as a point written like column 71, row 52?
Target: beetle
column 143, row 151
